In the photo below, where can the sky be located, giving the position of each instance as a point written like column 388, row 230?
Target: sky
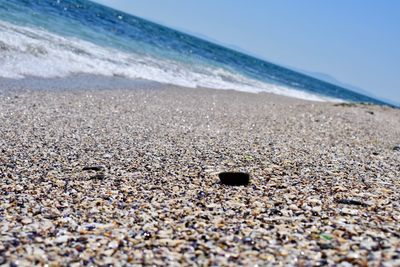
column 357, row 42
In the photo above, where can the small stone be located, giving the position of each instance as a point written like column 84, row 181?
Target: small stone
column 51, row 216
column 367, row 244
column 90, row 227
column 26, row 221
column 113, row 244
column 201, row 194
column 314, row 201
column 146, row 235
column 325, row 246
column 39, row 253
column 351, row 202
column 61, row 239
column 93, row 168
column 79, row 248
column 396, row 147
column 283, row 252
column 99, row 176
column 316, row 209
column 234, row 178
column 275, row 212
column 175, row 188
column 349, row 211
column 248, row 241
column 15, row 242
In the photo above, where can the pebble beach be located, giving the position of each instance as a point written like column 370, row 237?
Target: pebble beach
column 130, row 177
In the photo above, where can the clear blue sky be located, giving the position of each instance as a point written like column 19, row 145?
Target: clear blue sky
column 355, row 41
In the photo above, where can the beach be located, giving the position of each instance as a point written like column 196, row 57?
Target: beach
column 324, row 186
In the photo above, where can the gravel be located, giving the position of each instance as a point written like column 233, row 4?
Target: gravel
column 324, row 186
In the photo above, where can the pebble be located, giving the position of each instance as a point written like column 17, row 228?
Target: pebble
column 146, row 235
column 234, row 178
column 201, row 194
column 26, row 220
column 99, row 176
column 316, row 209
column 325, row 246
column 113, row 244
column 93, row 168
column 349, row 211
column 248, row 241
column 62, row 239
column 314, row 201
column 351, row 202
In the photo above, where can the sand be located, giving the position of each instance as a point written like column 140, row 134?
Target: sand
column 324, row 179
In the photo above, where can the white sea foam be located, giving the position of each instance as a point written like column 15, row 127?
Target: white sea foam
column 28, row 51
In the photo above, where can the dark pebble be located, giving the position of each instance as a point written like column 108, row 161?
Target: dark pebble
column 275, row 212
column 370, row 112
column 99, row 176
column 11, row 165
column 50, row 216
column 93, row 168
column 195, row 244
column 90, row 227
column 325, row 246
column 234, row 178
column 351, row 202
column 248, row 241
column 201, row 194
column 80, row 248
column 33, row 235
column 82, row 240
column 323, row 262
column 236, row 239
column 396, row 148
column 15, row 242
column 146, row 235
column 205, row 238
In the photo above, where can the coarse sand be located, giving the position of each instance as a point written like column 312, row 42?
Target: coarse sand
column 324, row 188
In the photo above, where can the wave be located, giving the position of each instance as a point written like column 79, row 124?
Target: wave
column 28, row 51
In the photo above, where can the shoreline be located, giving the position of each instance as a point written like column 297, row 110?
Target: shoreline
column 101, row 82
column 324, row 178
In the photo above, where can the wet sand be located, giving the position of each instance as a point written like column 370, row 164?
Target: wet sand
column 324, row 179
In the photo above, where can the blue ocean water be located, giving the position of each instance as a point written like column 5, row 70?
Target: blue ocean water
column 58, row 38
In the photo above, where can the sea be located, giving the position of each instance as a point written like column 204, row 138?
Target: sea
column 63, row 38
